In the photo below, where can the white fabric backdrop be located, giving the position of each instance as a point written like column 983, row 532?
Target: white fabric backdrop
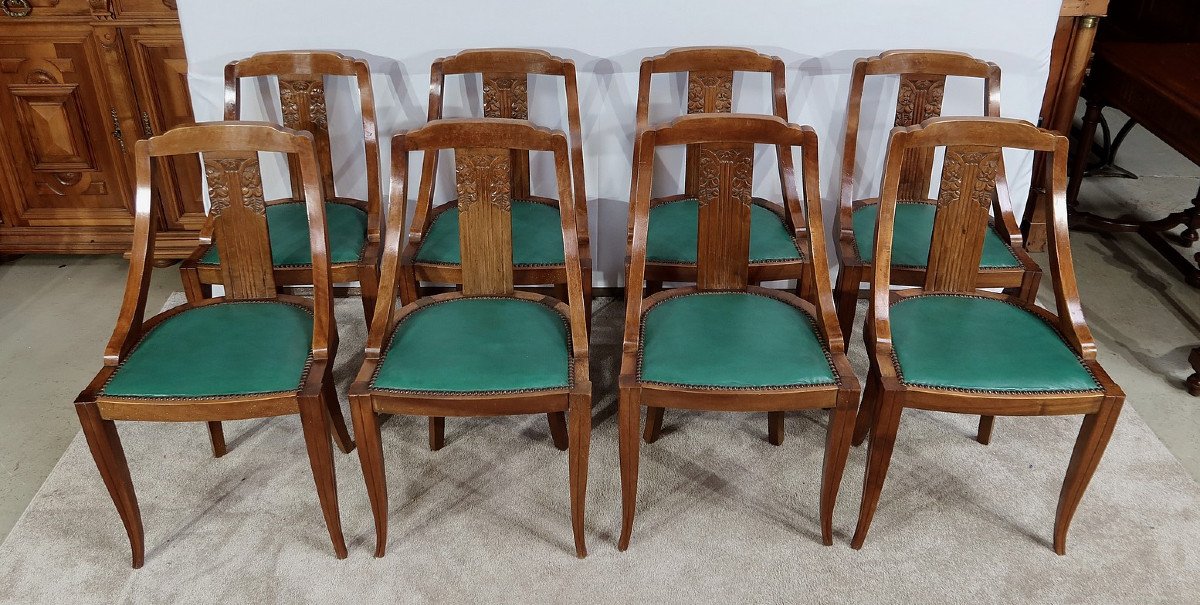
column 817, row 39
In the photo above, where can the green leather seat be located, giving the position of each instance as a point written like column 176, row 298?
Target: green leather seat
column 975, row 343
column 674, row 228
column 232, row 348
column 731, row 340
column 288, row 227
column 472, row 345
column 536, row 229
column 913, row 231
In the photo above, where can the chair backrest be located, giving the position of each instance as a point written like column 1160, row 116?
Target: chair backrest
column 973, row 149
column 301, row 76
column 922, row 83
column 505, row 74
column 229, row 153
column 710, row 72
column 483, row 175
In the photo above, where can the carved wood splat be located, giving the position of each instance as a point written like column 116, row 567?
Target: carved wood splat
column 919, row 99
column 483, row 178
column 303, row 104
column 506, row 96
column 710, row 92
column 961, row 222
column 725, row 178
column 227, row 176
column 238, row 213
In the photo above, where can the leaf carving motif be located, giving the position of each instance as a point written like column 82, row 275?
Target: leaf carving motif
column 308, row 93
column 249, row 182
column 698, row 91
column 919, row 100
column 505, row 92
column 482, row 175
column 731, row 169
column 981, row 187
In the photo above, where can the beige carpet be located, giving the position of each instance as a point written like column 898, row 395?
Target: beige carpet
column 724, row 517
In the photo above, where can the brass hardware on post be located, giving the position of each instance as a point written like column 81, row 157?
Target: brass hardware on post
column 1089, row 21
column 147, row 131
column 117, row 134
column 16, row 8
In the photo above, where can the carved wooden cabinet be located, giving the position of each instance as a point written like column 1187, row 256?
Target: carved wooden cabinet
column 80, row 82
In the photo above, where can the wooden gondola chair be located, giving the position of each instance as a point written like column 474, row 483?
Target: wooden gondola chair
column 488, row 350
column 725, row 343
column 252, row 353
column 950, row 345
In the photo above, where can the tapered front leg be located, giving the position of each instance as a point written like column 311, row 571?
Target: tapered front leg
column 580, row 437
column 1089, row 448
column 628, row 411
column 314, row 419
column 370, row 455
column 105, row 443
column 883, row 439
column 837, row 449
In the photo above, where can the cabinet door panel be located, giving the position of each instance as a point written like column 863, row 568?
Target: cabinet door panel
column 57, row 130
column 159, row 68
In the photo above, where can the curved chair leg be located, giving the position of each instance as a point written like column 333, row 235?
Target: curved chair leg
column 337, row 421
column 1089, row 447
column 628, row 412
column 581, row 438
column 315, row 420
column 370, row 454
column 106, row 448
column 654, row 421
column 883, row 439
column 837, row 449
column 984, row 435
column 368, row 280
column 846, row 299
column 216, row 435
column 558, row 429
column 775, row 428
column 868, row 408
column 437, row 433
